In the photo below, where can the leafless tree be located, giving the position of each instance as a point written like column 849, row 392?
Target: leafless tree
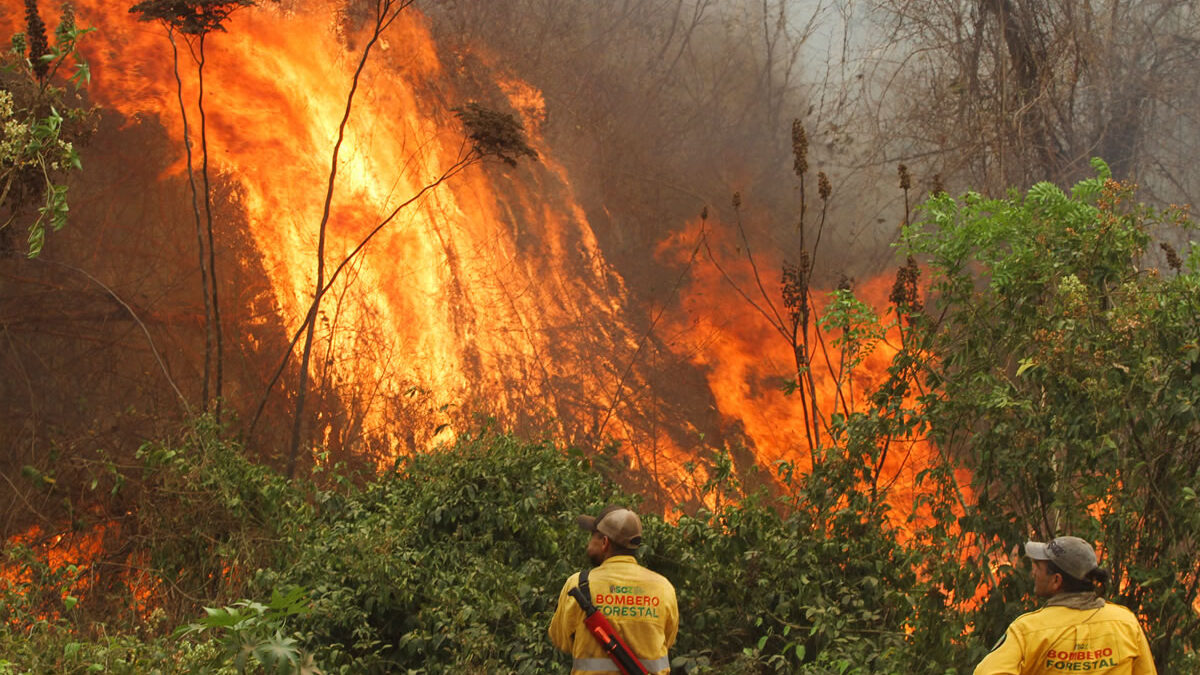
column 193, row 21
column 1002, row 93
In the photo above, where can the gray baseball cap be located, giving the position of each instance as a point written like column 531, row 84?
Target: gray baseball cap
column 1073, row 555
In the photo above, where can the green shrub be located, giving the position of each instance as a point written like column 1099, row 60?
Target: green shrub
column 451, row 561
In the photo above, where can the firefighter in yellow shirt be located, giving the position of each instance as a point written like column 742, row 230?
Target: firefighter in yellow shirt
column 1076, row 631
column 639, row 603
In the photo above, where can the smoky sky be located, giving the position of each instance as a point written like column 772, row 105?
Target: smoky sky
column 664, row 107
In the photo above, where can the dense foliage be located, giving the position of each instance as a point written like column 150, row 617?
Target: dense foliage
column 452, row 561
column 1067, row 377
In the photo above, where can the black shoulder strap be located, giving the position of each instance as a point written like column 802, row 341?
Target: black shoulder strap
column 584, row 587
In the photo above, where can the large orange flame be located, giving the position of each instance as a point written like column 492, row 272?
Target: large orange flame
column 491, row 279
column 489, row 291
column 488, row 288
column 725, row 327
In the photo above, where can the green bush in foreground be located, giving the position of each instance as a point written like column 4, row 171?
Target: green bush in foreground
column 452, row 560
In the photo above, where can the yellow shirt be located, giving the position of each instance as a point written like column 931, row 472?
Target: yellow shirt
column 1106, row 641
column 639, row 603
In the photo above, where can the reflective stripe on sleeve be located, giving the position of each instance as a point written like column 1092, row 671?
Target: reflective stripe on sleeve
column 607, row 665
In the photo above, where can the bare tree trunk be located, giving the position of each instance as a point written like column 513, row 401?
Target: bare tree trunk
column 213, row 329
column 386, row 11
column 187, row 145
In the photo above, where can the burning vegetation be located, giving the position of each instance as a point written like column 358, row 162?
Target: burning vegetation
column 328, row 266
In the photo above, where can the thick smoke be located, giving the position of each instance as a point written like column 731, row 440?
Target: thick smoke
column 659, row 108
column 662, row 107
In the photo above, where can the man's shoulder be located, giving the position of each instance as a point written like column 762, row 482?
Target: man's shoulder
column 654, row 579
column 629, row 567
column 657, row 577
column 1057, row 614
column 1040, row 617
column 1031, row 617
column 1114, row 612
column 571, row 582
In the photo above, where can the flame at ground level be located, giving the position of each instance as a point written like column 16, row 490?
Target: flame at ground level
column 64, row 560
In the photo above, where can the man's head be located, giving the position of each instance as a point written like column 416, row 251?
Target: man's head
column 615, row 531
column 1065, row 564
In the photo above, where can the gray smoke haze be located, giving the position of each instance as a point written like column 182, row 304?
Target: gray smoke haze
column 661, row 107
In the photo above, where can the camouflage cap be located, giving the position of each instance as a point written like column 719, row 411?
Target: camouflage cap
column 617, row 523
column 1072, row 555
